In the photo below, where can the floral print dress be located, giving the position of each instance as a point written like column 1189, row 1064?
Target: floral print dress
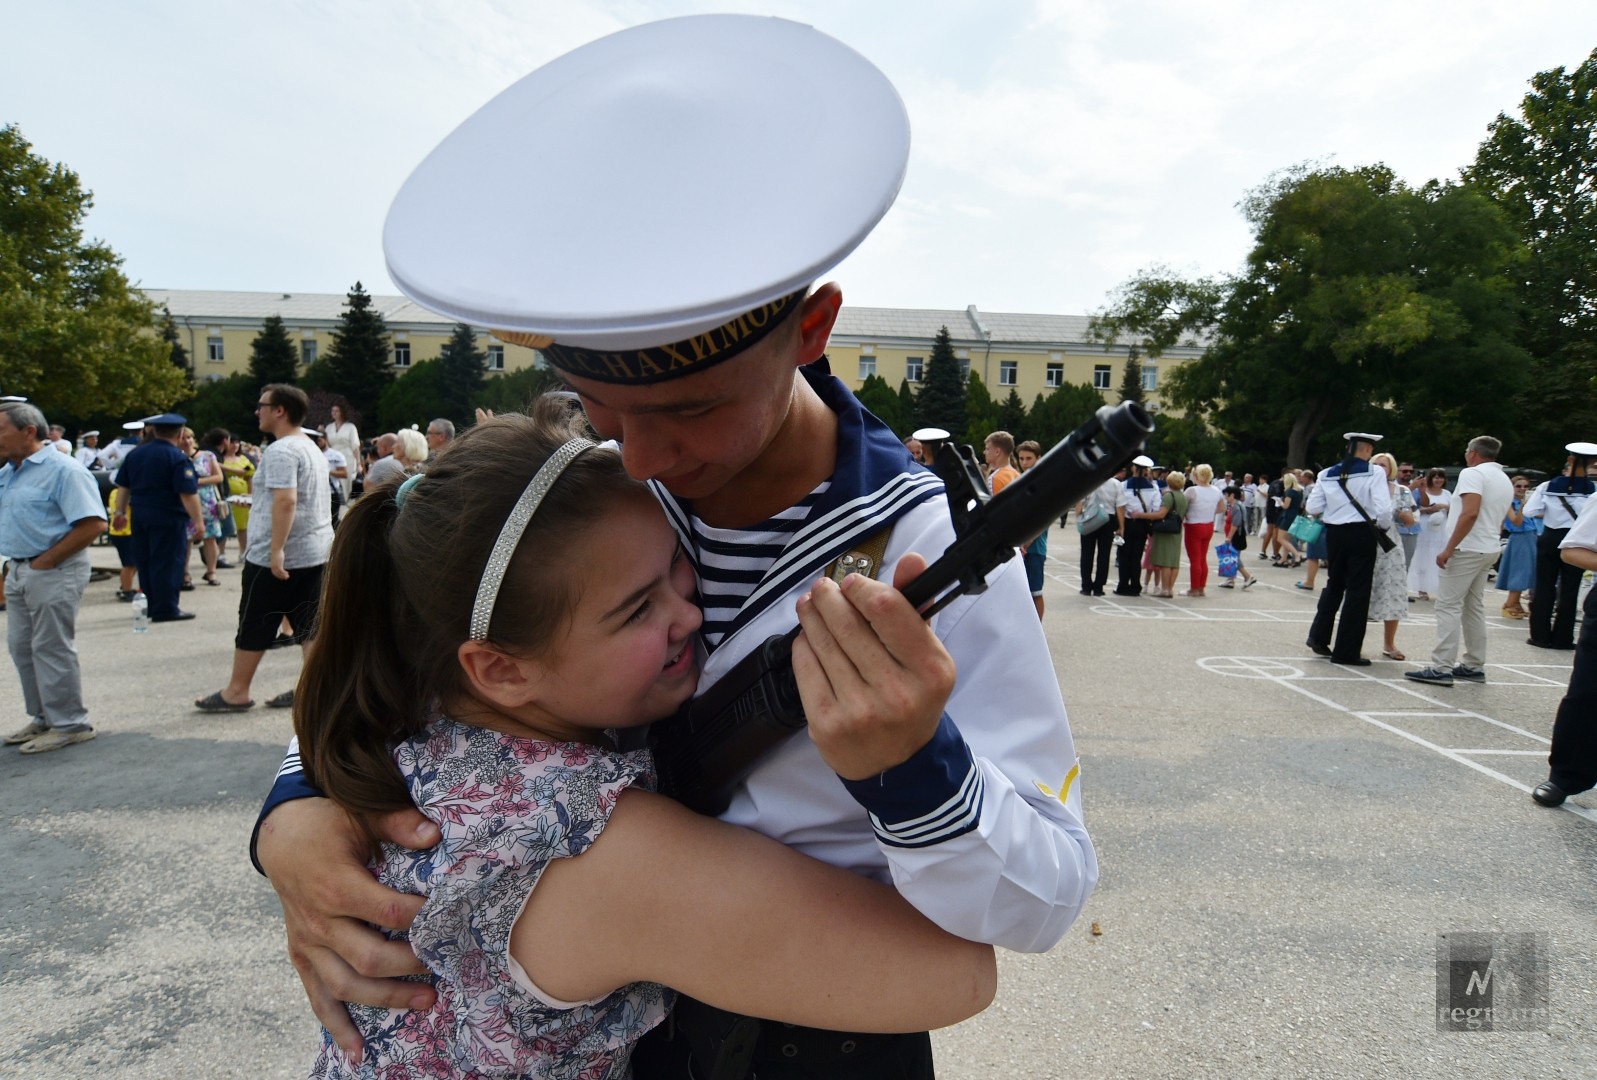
column 507, row 806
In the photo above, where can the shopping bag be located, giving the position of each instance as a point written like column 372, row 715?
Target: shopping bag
column 1228, row 560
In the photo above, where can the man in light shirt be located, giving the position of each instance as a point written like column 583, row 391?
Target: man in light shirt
column 1482, row 497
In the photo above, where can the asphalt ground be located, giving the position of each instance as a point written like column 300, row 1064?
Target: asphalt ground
column 1283, row 842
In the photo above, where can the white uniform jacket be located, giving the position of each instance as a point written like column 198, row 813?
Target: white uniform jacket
column 982, row 830
column 1328, row 501
column 1559, row 501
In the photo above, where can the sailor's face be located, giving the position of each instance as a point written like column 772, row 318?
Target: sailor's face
column 696, row 433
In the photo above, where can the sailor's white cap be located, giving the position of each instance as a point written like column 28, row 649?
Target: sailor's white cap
column 1582, row 449
column 1142, row 461
column 929, row 434
column 134, row 425
column 1361, row 436
column 676, row 184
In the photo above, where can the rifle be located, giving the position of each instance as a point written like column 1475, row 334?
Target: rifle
column 713, row 742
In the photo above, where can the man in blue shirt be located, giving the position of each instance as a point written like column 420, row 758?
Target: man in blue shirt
column 158, row 481
column 50, row 512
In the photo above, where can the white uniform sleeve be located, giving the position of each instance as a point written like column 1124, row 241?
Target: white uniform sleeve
column 1583, row 533
column 1536, row 505
column 983, row 830
column 1315, row 505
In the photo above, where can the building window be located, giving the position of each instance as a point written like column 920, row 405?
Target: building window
column 964, row 370
column 867, row 367
column 214, row 349
column 915, row 368
column 401, row 354
column 1150, row 377
column 496, row 358
column 1056, row 374
column 1006, row 372
column 1101, row 374
column 307, row 353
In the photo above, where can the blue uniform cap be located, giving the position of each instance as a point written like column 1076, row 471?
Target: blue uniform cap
column 170, row 419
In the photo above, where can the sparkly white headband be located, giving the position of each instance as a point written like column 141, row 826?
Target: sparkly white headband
column 493, row 575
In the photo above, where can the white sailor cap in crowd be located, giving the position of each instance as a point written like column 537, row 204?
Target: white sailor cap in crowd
column 12, row 398
column 310, row 433
column 1361, row 436
column 133, row 425
column 654, row 202
column 89, row 434
column 1582, row 449
column 1142, row 461
column 930, row 434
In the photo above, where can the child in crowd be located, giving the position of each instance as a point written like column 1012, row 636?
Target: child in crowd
column 484, row 629
column 1236, row 526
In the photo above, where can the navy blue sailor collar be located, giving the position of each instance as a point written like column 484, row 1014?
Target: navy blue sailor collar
column 1343, row 468
column 873, row 484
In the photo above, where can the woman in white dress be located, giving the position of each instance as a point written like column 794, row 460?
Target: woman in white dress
column 1389, row 589
column 1433, row 500
column 342, row 436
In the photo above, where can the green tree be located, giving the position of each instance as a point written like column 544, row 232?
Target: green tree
column 1158, row 309
column 225, row 403
column 880, row 399
column 1183, row 441
column 416, row 397
column 1360, row 296
column 516, row 390
column 462, row 374
column 941, row 401
column 273, row 358
column 906, row 405
column 1538, row 168
column 178, row 354
column 1059, row 412
column 981, row 413
column 1012, row 416
column 75, row 336
column 1131, row 378
column 359, row 364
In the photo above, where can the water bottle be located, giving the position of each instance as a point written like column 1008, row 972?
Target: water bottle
column 141, row 613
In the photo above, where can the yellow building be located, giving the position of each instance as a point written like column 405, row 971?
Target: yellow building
column 217, row 328
column 1031, row 353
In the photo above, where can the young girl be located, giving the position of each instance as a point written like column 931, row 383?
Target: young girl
column 1236, row 531
column 482, row 627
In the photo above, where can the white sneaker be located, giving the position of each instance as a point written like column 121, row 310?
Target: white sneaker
column 55, row 740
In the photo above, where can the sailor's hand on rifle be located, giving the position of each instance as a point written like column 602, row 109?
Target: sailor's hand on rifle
column 873, row 677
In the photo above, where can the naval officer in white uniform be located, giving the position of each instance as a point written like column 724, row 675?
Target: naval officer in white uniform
column 1347, row 498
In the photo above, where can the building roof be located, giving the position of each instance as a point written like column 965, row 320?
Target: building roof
column 967, row 327
column 202, row 304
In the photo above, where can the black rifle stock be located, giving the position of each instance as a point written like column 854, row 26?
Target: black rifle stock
column 714, row 741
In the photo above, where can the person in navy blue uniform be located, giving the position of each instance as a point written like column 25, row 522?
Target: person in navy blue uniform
column 158, row 481
column 1558, row 503
column 1572, row 758
column 1348, row 497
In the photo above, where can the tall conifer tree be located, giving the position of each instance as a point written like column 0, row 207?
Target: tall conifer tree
column 941, row 401
column 273, row 358
column 359, row 364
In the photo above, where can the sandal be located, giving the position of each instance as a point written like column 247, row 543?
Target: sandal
column 188, row 584
column 217, row 703
column 285, row 700
column 1393, row 654
column 1515, row 612
column 1305, row 588
column 211, row 579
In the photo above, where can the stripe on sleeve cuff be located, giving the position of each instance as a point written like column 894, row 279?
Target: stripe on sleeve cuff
column 290, row 784
column 932, row 797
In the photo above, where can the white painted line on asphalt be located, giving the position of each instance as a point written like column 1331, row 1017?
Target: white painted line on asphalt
column 1289, row 673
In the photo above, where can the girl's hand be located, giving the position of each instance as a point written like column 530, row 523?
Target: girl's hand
column 873, row 677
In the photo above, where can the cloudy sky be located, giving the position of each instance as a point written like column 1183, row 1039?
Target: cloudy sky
column 1059, row 145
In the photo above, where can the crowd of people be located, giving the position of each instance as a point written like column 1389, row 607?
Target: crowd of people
column 162, row 498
